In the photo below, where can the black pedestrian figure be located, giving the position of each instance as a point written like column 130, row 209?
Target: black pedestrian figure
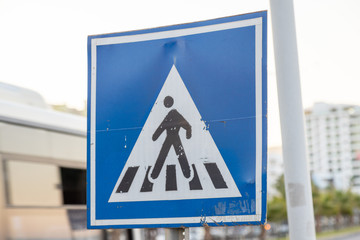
column 172, row 124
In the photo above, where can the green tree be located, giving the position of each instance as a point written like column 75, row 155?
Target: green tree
column 333, row 203
column 277, row 210
column 280, row 186
column 318, row 205
column 277, row 205
column 327, row 203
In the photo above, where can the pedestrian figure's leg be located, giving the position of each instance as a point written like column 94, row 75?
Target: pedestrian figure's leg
column 161, row 159
column 184, row 164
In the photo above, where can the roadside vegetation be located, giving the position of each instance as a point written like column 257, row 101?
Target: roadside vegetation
column 333, row 209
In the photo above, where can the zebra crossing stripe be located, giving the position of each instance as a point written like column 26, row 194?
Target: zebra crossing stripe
column 215, row 175
column 127, row 180
column 195, row 182
column 147, row 186
column 171, row 182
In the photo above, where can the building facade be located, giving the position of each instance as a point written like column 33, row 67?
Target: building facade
column 333, row 140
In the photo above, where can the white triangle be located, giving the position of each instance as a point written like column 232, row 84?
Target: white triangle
column 200, row 150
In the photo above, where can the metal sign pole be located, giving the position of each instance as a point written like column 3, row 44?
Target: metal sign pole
column 297, row 178
column 177, row 233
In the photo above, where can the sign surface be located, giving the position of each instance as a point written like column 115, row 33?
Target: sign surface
column 177, row 125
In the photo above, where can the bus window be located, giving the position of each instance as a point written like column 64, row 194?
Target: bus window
column 73, row 186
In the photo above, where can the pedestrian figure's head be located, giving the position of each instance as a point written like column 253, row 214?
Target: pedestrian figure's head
column 168, row 101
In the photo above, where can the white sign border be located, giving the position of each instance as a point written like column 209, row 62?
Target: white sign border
column 257, row 22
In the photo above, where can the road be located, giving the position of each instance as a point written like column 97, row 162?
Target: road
column 351, row 236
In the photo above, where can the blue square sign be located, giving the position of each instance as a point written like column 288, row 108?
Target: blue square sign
column 177, row 125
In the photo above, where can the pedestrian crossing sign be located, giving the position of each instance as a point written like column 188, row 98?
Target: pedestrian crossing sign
column 177, row 125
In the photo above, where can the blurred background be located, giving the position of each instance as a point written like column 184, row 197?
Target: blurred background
column 43, row 93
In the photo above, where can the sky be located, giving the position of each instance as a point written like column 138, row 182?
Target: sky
column 43, row 44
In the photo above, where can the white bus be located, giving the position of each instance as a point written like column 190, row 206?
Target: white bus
column 42, row 170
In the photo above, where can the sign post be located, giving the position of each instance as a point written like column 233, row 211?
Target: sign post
column 177, row 125
column 177, row 233
column 297, row 177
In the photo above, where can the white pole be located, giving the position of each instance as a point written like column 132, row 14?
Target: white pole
column 297, row 177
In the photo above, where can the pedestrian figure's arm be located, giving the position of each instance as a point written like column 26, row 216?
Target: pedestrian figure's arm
column 159, row 131
column 188, row 131
column 185, row 124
